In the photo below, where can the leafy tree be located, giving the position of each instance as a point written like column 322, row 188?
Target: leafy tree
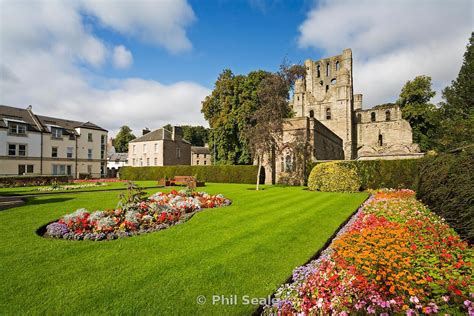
column 122, row 139
column 229, row 110
column 423, row 116
column 457, row 110
column 266, row 126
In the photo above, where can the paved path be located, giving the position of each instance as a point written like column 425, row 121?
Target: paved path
column 7, row 202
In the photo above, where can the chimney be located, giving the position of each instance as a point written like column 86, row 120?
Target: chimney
column 145, row 131
column 177, row 133
column 29, row 108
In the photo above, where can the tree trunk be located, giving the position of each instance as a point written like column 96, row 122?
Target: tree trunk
column 258, row 172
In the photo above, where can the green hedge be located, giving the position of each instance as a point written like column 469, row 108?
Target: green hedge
column 376, row 174
column 22, row 181
column 446, row 185
column 227, row 174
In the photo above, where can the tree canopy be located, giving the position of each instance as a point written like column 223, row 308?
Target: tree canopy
column 122, row 139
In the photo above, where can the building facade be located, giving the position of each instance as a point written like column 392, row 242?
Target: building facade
column 160, row 148
column 326, row 94
column 200, row 156
column 42, row 145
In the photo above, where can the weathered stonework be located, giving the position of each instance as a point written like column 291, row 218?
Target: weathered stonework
column 329, row 118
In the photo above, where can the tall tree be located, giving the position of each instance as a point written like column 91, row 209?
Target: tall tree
column 266, row 126
column 122, row 139
column 457, row 109
column 229, row 110
column 422, row 115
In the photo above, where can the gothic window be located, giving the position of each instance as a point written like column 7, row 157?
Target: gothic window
column 282, row 166
column 328, row 113
column 372, row 117
column 318, row 71
column 288, row 163
column 327, row 70
column 337, row 66
column 387, row 115
column 327, row 88
column 380, row 140
column 298, row 98
column 359, row 118
column 311, row 113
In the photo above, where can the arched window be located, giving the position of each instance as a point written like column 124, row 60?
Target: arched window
column 333, row 81
column 337, row 66
column 359, row 118
column 282, row 166
column 372, row 117
column 328, row 113
column 387, row 115
column 380, row 140
column 327, row 88
column 327, row 70
column 318, row 71
column 311, row 113
column 288, row 163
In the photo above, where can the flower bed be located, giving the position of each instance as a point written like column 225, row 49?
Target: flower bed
column 158, row 212
column 394, row 256
column 70, row 187
column 111, row 180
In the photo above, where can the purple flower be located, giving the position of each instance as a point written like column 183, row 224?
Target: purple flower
column 57, row 230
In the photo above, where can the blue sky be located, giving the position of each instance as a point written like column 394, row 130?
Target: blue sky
column 146, row 63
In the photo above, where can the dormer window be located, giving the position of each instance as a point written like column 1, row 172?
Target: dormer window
column 56, row 132
column 16, row 128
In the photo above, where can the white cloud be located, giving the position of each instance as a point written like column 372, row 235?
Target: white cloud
column 392, row 41
column 160, row 22
column 122, row 57
column 44, row 46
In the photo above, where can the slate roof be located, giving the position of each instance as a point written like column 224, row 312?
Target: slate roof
column 200, row 150
column 18, row 114
column 118, row 157
column 158, row 134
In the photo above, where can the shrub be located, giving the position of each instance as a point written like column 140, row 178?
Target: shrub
column 334, row 177
column 446, row 185
column 219, row 174
column 22, row 181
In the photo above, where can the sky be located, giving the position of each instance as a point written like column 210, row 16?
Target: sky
column 146, row 63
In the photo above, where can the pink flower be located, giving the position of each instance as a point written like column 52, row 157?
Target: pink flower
column 445, row 298
column 414, row 299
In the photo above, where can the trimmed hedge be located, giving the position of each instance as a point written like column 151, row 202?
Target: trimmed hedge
column 23, row 181
column 334, row 177
column 226, row 174
column 446, row 185
column 377, row 174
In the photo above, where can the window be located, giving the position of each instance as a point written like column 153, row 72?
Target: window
column 387, row 115
column 178, row 153
column 11, row 149
column 327, row 70
column 156, row 161
column 89, row 153
column 69, row 170
column 197, row 162
column 328, row 113
column 318, row 71
column 297, row 97
column 89, row 137
column 56, row 132
column 141, row 162
column 54, row 152
column 359, row 118
column 311, row 113
column 21, row 150
column 72, row 137
column 133, row 162
column 148, row 161
column 288, row 163
column 327, row 88
column 333, row 81
column 197, row 155
column 16, row 128
column 338, row 66
column 22, row 169
column 372, row 117
column 380, row 140
column 282, row 164
column 156, row 147
column 69, row 152
column 205, row 162
column 59, row 169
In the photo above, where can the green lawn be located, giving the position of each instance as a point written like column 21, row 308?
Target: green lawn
column 249, row 248
column 109, row 186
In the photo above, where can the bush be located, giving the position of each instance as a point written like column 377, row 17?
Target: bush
column 446, row 185
column 23, row 181
column 220, row 174
column 376, row 174
column 334, row 177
